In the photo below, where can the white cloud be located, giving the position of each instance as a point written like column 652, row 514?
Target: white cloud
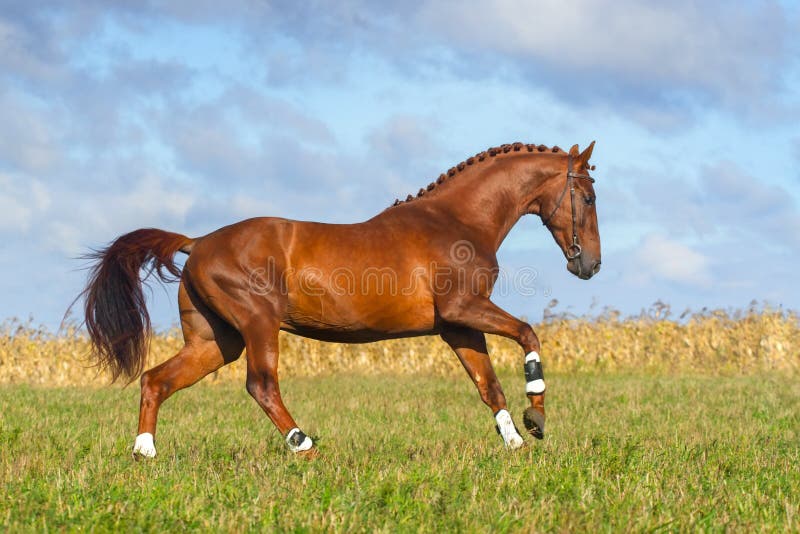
column 245, row 206
column 65, row 237
column 40, row 195
column 29, row 140
column 258, row 108
column 402, row 139
column 719, row 48
column 152, row 198
column 22, row 199
column 26, row 47
column 658, row 257
column 724, row 202
column 84, row 219
column 14, row 215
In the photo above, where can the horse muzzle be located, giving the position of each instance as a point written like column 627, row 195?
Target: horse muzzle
column 582, row 268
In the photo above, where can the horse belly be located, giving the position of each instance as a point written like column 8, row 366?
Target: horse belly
column 362, row 319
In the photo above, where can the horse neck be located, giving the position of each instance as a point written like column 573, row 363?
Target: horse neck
column 490, row 201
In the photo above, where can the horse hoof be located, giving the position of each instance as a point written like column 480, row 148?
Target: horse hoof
column 534, row 422
column 515, row 442
column 144, row 447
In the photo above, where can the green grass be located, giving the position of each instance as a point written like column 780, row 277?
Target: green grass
column 622, row 453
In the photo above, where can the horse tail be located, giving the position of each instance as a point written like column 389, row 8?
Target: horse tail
column 116, row 315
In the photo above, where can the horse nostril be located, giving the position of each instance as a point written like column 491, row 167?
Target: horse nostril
column 596, row 268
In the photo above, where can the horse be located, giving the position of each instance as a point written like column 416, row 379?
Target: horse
column 242, row 284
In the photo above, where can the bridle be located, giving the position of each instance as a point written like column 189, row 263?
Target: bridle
column 574, row 250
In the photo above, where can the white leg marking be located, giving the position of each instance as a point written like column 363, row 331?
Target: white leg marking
column 304, row 445
column 506, row 425
column 144, row 445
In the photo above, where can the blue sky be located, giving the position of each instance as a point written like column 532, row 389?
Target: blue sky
column 191, row 115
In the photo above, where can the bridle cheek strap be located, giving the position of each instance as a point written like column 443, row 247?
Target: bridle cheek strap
column 574, row 250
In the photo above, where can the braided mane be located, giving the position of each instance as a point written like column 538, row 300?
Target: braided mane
column 479, row 157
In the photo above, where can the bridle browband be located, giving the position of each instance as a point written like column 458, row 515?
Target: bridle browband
column 574, row 250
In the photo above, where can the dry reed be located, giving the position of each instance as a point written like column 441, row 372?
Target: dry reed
column 718, row 342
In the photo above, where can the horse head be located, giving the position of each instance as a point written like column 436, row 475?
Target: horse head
column 569, row 212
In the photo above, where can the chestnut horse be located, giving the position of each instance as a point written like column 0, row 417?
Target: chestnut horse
column 243, row 283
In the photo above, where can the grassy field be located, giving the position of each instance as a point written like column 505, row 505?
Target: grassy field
column 624, row 452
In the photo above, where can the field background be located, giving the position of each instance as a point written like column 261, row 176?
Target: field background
column 710, row 341
column 654, row 423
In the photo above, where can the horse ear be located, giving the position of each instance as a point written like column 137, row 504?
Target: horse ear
column 574, row 151
column 586, row 154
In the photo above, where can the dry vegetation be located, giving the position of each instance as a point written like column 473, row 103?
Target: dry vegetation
column 717, row 341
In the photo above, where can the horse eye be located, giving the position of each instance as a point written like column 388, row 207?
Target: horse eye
column 589, row 201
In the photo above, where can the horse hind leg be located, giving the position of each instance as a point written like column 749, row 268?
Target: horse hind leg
column 261, row 341
column 210, row 343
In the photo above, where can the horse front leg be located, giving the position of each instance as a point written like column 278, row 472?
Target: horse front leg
column 481, row 314
column 470, row 347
